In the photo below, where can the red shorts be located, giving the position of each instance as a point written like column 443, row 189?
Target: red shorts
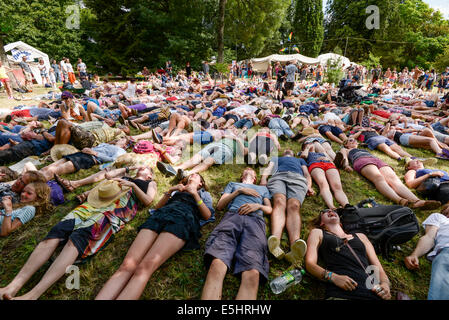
column 4, row 80
column 322, row 165
column 21, row 113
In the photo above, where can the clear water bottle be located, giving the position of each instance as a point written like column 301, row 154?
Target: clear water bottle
column 286, row 280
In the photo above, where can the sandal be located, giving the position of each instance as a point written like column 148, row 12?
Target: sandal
column 65, row 184
column 82, row 197
column 427, row 204
column 403, row 202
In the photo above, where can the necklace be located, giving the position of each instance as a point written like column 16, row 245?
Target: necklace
column 343, row 240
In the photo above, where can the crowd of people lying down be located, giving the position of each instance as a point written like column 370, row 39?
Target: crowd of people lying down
column 127, row 131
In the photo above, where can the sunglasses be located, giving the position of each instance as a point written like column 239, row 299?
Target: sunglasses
column 326, row 211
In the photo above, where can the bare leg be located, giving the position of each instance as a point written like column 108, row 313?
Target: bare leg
column 37, row 259
column 372, row 173
column 319, row 177
column 249, row 285
column 387, row 150
column 333, row 176
column 195, row 160
column 139, row 248
column 213, row 286
column 278, row 215
column 165, row 246
column 57, row 269
column 203, row 166
column 293, row 220
column 397, row 185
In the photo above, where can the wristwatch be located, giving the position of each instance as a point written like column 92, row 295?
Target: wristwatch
column 6, row 214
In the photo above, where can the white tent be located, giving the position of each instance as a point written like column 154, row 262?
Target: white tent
column 19, row 49
column 261, row 64
column 324, row 58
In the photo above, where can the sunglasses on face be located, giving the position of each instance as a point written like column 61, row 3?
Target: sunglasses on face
column 326, row 211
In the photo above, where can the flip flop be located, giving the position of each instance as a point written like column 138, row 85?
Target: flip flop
column 274, row 247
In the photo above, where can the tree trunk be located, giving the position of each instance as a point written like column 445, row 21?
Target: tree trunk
column 2, row 52
column 221, row 21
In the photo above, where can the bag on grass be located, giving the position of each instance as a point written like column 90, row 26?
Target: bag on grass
column 429, row 186
column 384, row 225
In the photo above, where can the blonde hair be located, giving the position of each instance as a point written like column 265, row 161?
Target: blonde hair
column 42, row 202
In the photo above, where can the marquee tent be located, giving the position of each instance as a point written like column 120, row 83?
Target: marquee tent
column 324, row 58
column 261, row 64
column 19, row 49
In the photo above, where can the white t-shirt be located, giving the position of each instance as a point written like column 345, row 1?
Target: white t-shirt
column 442, row 236
column 69, row 67
column 63, row 66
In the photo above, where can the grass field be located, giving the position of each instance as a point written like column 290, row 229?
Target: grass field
column 182, row 277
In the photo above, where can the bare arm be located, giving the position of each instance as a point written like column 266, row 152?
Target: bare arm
column 266, row 172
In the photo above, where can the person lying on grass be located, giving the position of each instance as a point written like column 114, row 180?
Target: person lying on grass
column 143, row 178
column 380, row 174
column 174, row 225
column 239, row 243
column 84, row 232
column 435, row 244
column 346, row 258
column 34, row 200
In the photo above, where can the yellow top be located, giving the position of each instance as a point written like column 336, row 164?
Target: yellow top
column 3, row 74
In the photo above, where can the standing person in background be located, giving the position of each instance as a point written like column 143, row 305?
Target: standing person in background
column 43, row 71
column 56, row 70
column 146, row 73
column 269, row 72
column 188, row 70
column 168, row 67
column 70, row 72
column 65, row 76
column 27, row 72
column 206, row 67
column 52, row 77
column 5, row 80
column 82, row 69
column 291, row 70
column 319, row 74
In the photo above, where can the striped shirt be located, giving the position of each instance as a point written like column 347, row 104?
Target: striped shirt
column 24, row 214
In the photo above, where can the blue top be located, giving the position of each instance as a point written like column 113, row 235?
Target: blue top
column 24, row 214
column 421, row 172
column 314, row 157
column 292, row 164
column 107, row 152
column 40, row 146
column 241, row 199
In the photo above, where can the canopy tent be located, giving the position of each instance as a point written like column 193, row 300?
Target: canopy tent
column 19, row 49
column 324, row 58
column 261, row 64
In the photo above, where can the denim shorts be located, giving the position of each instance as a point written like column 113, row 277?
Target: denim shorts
column 220, row 152
column 374, row 142
column 202, row 137
column 439, row 281
column 404, row 139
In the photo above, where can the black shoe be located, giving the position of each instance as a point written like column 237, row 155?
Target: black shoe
column 283, row 137
column 156, row 136
column 166, row 169
column 297, row 136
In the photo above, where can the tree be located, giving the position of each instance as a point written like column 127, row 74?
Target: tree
column 221, row 26
column 308, row 26
column 442, row 60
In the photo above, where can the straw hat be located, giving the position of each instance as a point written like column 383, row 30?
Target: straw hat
column 60, row 150
column 308, row 131
column 105, row 193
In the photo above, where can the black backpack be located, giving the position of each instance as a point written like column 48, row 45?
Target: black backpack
column 385, row 226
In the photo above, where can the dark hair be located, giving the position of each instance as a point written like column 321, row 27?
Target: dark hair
column 203, row 182
column 97, row 94
column 8, row 118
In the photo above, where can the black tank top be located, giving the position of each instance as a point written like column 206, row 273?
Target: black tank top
column 397, row 137
column 142, row 184
column 338, row 258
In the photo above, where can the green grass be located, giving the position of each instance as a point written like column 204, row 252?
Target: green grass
column 182, row 276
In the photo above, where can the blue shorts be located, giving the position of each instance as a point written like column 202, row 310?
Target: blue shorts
column 220, row 152
column 374, row 142
column 327, row 128
column 247, row 123
column 202, row 137
column 437, row 126
column 404, row 139
column 429, row 103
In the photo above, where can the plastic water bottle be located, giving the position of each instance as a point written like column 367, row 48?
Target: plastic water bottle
column 286, row 280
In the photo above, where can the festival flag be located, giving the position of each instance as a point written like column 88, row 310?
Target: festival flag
column 295, row 48
column 283, row 50
column 290, row 36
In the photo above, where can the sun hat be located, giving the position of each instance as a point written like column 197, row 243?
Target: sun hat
column 143, row 146
column 105, row 193
column 308, row 131
column 60, row 150
column 66, row 94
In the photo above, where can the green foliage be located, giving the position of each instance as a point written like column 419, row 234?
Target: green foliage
column 41, row 24
column 371, row 62
column 308, row 26
column 442, row 60
column 334, row 73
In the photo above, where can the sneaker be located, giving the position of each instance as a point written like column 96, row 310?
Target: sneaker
column 297, row 252
column 166, row 169
column 274, row 247
column 263, row 159
column 252, row 158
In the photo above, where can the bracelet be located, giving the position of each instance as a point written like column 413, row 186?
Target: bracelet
column 200, row 202
column 329, row 276
column 7, row 214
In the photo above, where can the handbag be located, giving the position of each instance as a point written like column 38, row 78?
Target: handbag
column 429, row 186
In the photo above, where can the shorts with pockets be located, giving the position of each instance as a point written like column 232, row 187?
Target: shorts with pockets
column 291, row 184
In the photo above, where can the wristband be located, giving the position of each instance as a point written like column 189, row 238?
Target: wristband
column 200, row 202
column 329, row 275
column 7, row 214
